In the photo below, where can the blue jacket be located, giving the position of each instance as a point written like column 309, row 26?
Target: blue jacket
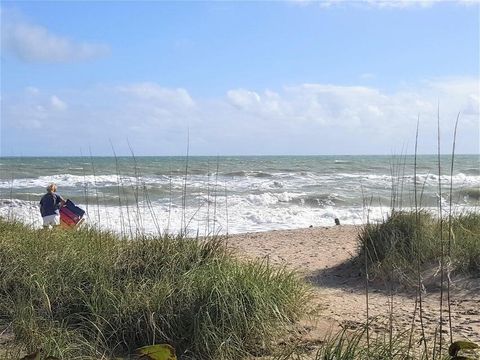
column 50, row 204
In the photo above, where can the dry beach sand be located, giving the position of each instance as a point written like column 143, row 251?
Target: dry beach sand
column 324, row 257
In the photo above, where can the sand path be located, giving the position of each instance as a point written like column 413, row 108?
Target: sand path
column 324, row 257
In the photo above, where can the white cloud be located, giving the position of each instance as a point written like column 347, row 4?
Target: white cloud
column 31, row 90
column 243, row 99
column 381, row 4
column 402, row 3
column 57, row 104
column 33, row 112
column 416, row 3
column 153, row 92
column 301, row 2
column 328, row 104
column 367, row 76
column 310, row 104
column 359, row 114
column 305, row 118
column 35, row 43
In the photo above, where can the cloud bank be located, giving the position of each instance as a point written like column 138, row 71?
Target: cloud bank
column 34, row 43
column 300, row 119
column 382, row 4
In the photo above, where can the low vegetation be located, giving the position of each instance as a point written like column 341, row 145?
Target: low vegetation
column 89, row 295
column 357, row 345
column 395, row 246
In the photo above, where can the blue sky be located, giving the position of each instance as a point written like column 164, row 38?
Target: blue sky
column 293, row 77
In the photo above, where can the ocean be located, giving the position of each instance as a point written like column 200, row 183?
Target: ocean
column 235, row 194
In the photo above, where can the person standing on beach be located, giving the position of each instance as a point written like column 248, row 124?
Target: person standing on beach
column 50, row 205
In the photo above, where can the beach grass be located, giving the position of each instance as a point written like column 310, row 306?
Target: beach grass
column 394, row 245
column 90, row 294
column 352, row 345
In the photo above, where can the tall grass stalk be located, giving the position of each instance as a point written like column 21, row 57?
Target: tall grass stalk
column 183, row 226
column 139, row 226
column 450, row 229
column 95, row 185
column 153, row 216
column 442, row 250
column 226, row 207
column 119, row 186
column 215, row 198
column 170, row 199
column 85, row 185
column 207, row 228
column 367, row 305
column 417, row 226
column 412, row 328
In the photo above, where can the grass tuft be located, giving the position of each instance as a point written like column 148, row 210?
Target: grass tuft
column 403, row 237
column 88, row 294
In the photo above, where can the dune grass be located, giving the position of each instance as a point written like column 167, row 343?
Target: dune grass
column 394, row 245
column 352, row 345
column 89, row 294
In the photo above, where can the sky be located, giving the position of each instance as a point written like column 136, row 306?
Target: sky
column 238, row 78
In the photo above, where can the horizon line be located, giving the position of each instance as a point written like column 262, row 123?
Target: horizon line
column 231, row 155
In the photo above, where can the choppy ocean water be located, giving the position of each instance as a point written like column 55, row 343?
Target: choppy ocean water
column 236, row 194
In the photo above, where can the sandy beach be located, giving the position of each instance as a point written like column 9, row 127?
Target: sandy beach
column 323, row 256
